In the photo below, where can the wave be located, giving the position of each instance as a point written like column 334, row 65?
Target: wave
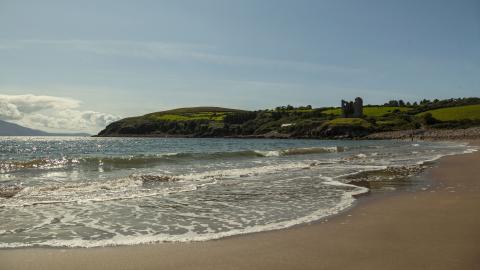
column 128, row 188
column 133, row 161
column 42, row 163
column 9, row 191
column 301, row 151
column 131, row 187
column 346, row 200
column 149, row 178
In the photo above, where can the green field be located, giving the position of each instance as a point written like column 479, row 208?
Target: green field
column 199, row 110
column 370, row 111
column 194, row 113
column 334, row 111
column 471, row 112
column 349, row 122
column 189, row 116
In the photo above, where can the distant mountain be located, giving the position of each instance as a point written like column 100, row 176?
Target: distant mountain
column 11, row 129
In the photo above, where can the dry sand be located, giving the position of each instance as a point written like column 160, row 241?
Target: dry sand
column 438, row 228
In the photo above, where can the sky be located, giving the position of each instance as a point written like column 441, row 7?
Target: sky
column 79, row 65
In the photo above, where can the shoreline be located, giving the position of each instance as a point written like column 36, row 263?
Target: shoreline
column 361, row 237
column 470, row 133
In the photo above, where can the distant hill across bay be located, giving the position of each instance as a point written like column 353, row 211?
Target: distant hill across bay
column 11, row 129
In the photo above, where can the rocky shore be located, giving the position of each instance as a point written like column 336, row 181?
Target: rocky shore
column 428, row 134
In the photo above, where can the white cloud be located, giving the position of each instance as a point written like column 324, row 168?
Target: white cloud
column 33, row 103
column 9, row 111
column 101, row 119
column 52, row 113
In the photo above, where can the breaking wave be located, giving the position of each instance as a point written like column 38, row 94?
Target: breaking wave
column 132, row 187
column 147, row 160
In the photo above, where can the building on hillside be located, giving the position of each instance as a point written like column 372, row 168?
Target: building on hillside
column 352, row 109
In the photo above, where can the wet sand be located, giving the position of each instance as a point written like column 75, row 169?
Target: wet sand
column 437, row 228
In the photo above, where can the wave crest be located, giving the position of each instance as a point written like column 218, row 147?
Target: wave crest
column 150, row 160
column 9, row 191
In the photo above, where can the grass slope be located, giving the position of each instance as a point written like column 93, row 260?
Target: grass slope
column 371, row 111
column 349, row 122
column 193, row 113
column 471, row 112
column 199, row 110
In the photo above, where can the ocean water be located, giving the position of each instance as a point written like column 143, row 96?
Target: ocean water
column 89, row 192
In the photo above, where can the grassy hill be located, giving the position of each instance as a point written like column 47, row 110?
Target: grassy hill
column 198, row 110
column 373, row 111
column 471, row 112
column 192, row 121
column 300, row 122
column 193, row 113
column 349, row 122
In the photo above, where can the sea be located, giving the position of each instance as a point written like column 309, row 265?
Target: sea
column 92, row 192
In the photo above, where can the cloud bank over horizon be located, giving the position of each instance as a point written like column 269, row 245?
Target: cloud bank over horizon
column 52, row 113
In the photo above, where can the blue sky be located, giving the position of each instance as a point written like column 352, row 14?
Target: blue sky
column 110, row 59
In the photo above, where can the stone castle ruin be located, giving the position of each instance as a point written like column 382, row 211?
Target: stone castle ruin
column 352, row 109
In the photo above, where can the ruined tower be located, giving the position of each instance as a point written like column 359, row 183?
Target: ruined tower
column 358, row 107
column 352, row 109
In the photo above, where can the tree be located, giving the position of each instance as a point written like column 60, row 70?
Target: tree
column 424, row 101
column 428, row 119
column 392, row 103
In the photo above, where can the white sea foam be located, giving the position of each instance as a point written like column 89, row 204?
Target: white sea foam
column 132, row 187
column 118, row 189
column 268, row 153
column 300, row 151
column 452, row 153
column 470, row 150
column 346, row 201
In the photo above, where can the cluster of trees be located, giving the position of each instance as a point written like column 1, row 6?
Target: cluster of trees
column 292, row 108
column 239, row 117
column 436, row 103
column 398, row 103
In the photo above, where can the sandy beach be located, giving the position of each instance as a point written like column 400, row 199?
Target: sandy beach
column 436, row 228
